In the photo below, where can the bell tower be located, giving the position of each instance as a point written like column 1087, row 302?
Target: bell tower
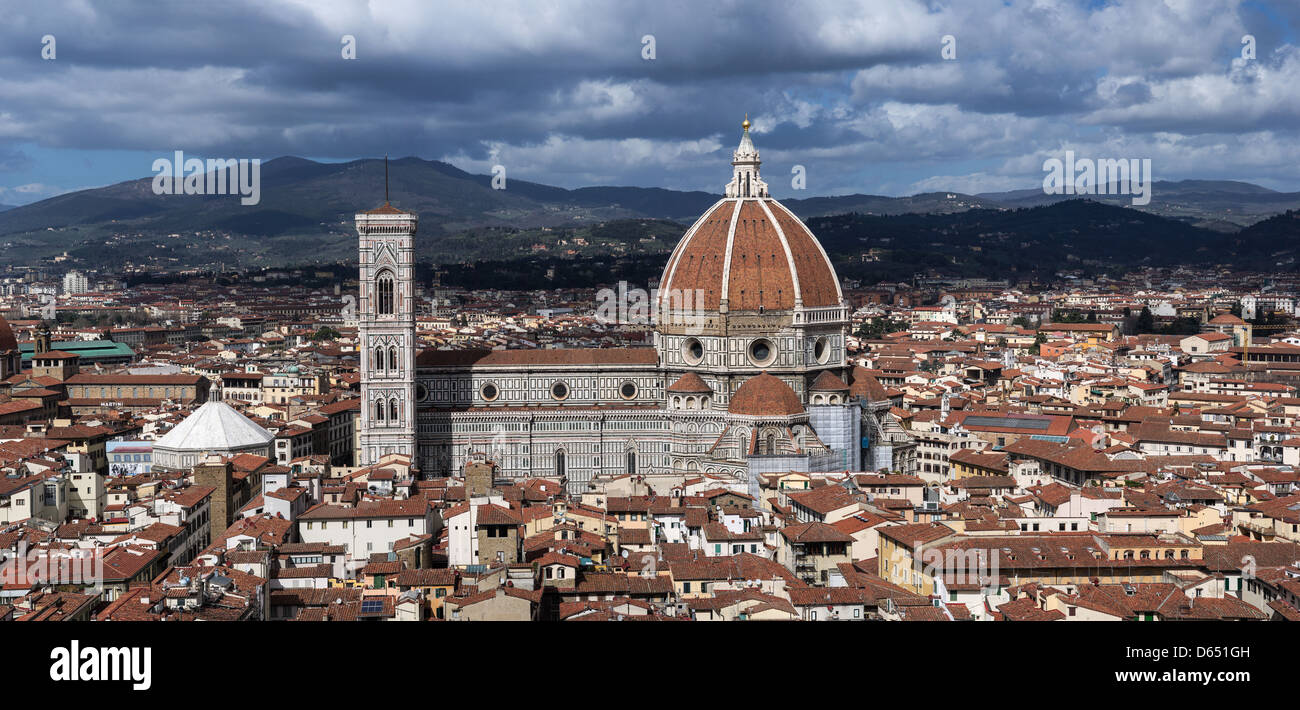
column 386, row 337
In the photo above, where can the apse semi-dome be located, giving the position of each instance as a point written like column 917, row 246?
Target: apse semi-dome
column 690, row 383
column 749, row 252
column 765, row 396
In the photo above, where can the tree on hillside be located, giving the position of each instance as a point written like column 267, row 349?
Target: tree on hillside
column 1146, row 322
column 325, row 333
column 878, row 327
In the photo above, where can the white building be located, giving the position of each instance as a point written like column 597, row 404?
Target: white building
column 75, row 282
column 462, row 530
column 368, row 528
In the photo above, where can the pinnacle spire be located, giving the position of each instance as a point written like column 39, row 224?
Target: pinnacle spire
column 745, row 180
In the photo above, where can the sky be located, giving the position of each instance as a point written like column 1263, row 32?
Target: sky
column 866, row 97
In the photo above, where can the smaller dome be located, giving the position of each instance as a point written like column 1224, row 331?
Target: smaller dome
column 828, row 382
column 765, row 396
column 866, row 386
column 690, row 383
column 1226, row 319
column 7, row 339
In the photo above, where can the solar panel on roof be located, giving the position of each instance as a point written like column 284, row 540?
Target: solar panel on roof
column 372, row 606
column 1008, row 422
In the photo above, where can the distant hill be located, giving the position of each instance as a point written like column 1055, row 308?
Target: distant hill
column 925, row 203
column 1075, row 234
column 1077, row 237
column 307, row 208
column 1223, row 205
column 6, row 207
column 300, row 196
column 1273, row 243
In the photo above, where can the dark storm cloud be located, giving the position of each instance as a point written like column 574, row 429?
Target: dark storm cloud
column 560, row 92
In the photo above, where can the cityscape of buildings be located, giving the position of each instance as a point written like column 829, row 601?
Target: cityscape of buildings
column 802, row 448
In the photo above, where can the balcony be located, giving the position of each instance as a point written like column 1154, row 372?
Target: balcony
column 1261, row 527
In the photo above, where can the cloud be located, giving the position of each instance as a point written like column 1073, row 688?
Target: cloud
column 857, row 92
column 13, row 160
column 31, row 192
column 971, row 184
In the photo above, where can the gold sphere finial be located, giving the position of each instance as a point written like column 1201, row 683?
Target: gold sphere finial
column 745, row 125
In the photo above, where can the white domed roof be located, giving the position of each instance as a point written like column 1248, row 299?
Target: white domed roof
column 215, row 426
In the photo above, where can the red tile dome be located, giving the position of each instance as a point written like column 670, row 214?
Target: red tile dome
column 750, row 251
column 765, row 396
column 690, row 383
column 7, row 339
column 828, row 381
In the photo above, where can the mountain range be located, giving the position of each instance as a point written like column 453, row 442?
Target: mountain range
column 1223, row 205
column 307, row 208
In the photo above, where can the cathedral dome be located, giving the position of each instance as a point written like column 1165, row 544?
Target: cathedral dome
column 765, row 396
column 750, row 252
column 7, row 339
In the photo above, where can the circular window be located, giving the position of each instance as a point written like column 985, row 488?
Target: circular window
column 559, row 390
column 822, row 350
column 761, row 352
column 489, row 392
column 421, row 393
column 693, row 351
column 628, row 390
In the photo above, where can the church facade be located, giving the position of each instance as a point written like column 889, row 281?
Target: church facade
column 753, row 380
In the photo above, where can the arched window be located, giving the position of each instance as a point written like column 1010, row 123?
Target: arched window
column 379, row 411
column 771, row 443
column 631, row 463
column 392, row 409
column 559, row 463
column 392, row 358
column 379, row 359
column 744, row 445
column 384, row 294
